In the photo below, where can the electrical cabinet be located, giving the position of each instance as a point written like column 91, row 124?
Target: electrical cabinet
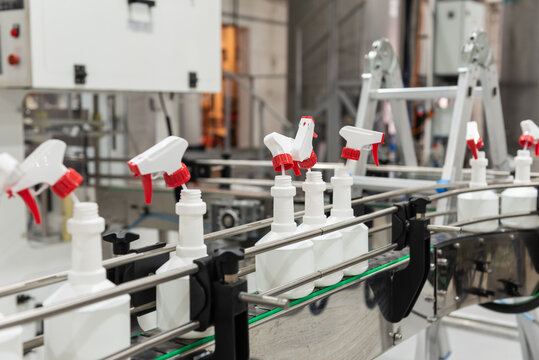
column 105, row 45
column 455, row 21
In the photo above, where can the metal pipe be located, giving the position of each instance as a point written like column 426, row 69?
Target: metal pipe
column 321, row 273
column 264, row 300
column 255, row 250
column 126, row 259
column 486, row 218
column 489, row 187
column 247, row 270
column 420, row 93
column 154, row 341
column 33, row 343
column 128, row 287
column 444, row 228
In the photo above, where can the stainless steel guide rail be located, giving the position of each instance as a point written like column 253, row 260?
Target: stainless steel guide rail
column 126, row 259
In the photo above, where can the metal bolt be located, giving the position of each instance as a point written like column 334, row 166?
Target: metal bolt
column 457, row 299
column 432, row 319
column 481, row 240
column 432, row 267
column 456, row 245
column 396, row 336
column 441, row 292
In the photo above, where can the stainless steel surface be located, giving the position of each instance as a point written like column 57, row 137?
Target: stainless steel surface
column 264, row 300
column 33, row 343
column 321, row 273
column 255, row 250
column 481, row 268
column 153, row 341
column 125, row 288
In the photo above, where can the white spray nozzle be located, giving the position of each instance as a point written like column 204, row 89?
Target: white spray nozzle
column 45, row 166
column 164, row 157
column 530, row 135
column 359, row 139
column 474, row 141
column 293, row 153
column 10, row 172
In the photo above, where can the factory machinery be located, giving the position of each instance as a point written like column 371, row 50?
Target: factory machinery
column 420, row 274
column 264, row 300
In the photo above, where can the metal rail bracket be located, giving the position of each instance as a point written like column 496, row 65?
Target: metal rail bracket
column 396, row 292
column 214, row 300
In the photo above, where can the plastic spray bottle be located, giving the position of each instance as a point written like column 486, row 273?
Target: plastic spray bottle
column 355, row 238
column 96, row 330
column 172, row 298
column 480, row 203
column 524, row 198
column 288, row 263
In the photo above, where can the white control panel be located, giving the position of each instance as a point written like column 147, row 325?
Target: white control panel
column 111, row 45
column 455, row 22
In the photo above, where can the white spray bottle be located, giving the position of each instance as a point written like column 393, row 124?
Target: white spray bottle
column 96, row 330
column 172, row 298
column 355, row 238
column 288, row 263
column 525, row 198
column 10, row 339
column 480, row 203
column 328, row 249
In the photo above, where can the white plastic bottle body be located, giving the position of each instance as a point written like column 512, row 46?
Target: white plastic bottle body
column 328, row 251
column 173, row 302
column 283, row 265
column 519, row 200
column 355, row 240
column 11, row 343
column 172, row 297
column 478, row 204
column 96, row 330
column 88, row 333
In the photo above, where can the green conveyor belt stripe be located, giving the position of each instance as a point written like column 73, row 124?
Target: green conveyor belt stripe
column 292, row 303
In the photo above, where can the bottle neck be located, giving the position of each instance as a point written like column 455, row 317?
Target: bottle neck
column 314, row 188
column 479, row 170
column 342, row 193
column 191, row 210
column 85, row 228
column 523, row 162
column 283, row 204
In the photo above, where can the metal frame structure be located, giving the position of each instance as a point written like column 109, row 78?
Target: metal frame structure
column 382, row 67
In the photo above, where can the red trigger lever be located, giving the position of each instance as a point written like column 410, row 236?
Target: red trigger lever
column 146, row 181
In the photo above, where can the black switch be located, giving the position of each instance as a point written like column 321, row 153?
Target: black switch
column 80, row 74
column 193, row 80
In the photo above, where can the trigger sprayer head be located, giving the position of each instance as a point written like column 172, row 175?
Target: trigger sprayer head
column 164, row 157
column 45, row 166
column 530, row 135
column 473, row 140
column 293, row 153
column 358, row 139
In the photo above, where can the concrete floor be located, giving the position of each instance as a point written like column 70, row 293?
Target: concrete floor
column 466, row 343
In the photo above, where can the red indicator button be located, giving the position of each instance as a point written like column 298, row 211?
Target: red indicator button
column 13, row 59
column 15, row 31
